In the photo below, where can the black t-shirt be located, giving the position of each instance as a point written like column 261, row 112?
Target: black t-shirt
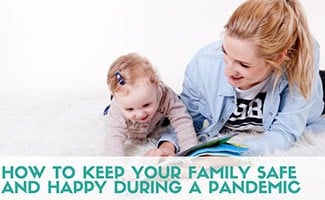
column 248, row 116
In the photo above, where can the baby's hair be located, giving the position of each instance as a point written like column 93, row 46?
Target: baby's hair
column 128, row 69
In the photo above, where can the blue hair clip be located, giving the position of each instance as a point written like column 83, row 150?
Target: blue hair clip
column 119, row 77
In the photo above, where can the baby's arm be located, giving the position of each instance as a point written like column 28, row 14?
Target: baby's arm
column 116, row 132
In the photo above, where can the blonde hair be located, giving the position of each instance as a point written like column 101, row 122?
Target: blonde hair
column 277, row 27
column 128, row 69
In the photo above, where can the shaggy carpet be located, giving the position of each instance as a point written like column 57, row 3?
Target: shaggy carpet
column 73, row 125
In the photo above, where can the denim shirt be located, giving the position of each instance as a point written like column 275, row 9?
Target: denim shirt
column 286, row 115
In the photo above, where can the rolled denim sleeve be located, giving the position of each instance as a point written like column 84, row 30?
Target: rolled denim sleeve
column 169, row 136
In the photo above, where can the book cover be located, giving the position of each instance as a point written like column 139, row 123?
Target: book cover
column 218, row 146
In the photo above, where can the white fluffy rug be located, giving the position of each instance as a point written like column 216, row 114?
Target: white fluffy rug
column 63, row 124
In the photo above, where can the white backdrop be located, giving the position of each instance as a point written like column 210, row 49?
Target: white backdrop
column 54, row 56
column 68, row 44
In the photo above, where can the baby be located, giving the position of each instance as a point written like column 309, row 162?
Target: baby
column 140, row 106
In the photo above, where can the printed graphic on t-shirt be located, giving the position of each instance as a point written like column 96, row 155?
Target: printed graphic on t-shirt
column 248, row 116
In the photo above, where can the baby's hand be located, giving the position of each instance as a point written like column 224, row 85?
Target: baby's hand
column 165, row 149
column 159, row 152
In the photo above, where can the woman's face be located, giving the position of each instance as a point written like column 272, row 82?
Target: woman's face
column 244, row 69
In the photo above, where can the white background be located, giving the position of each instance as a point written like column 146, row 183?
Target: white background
column 67, row 45
column 54, row 56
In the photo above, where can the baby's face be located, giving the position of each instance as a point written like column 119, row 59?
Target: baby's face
column 141, row 103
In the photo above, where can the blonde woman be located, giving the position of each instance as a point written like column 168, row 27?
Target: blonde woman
column 141, row 104
column 262, row 79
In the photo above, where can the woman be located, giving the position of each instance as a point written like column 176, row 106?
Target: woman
column 262, row 78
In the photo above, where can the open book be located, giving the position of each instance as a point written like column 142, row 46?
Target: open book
column 218, row 146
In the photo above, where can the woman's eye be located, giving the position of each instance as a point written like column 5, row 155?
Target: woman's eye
column 243, row 65
column 129, row 109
